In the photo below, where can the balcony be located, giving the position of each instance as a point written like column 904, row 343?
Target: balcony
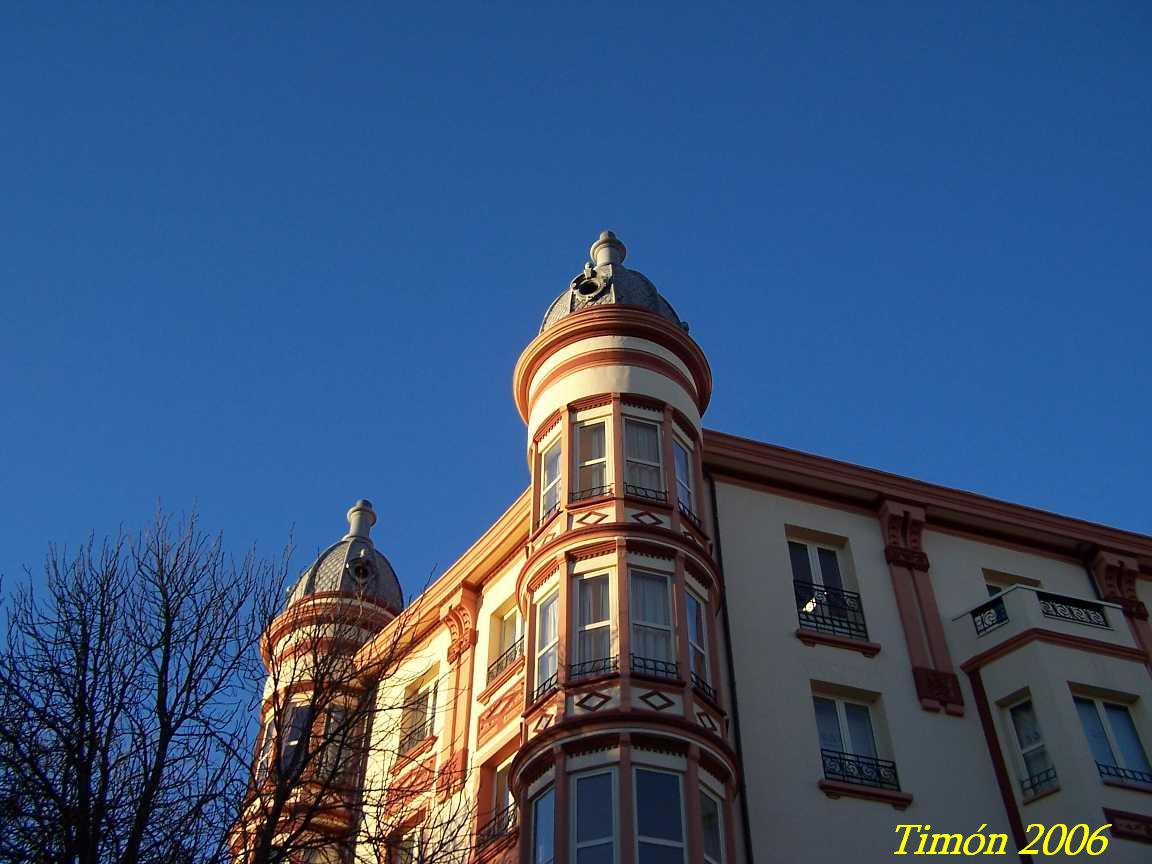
column 593, row 669
column 593, row 492
column 1022, row 614
column 1117, row 776
column 1038, row 784
column 705, row 689
column 503, row 824
column 830, row 610
column 643, row 492
column 552, row 682
column 650, row 667
column 687, row 513
column 514, row 653
column 860, row 770
column 415, row 736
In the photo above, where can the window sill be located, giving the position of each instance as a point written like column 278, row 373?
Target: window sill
column 1126, row 784
column 815, row 637
column 514, row 669
column 836, row 789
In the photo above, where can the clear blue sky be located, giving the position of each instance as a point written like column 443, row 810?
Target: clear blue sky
column 267, row 260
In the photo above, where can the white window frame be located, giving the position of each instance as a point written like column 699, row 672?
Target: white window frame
column 1022, row 752
column 685, row 484
column 719, row 802
column 845, row 730
column 659, row 841
column 574, row 813
column 546, row 487
column 658, row 464
column 267, row 751
column 605, row 623
column 1117, row 752
column 582, row 463
column 813, row 547
column 704, row 672
column 669, row 628
column 554, row 645
column 504, row 644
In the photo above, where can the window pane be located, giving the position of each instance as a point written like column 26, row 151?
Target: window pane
column 860, row 729
column 593, row 807
column 508, row 628
column 591, row 477
column 801, row 566
column 543, row 830
column 645, row 476
column 695, row 611
column 652, row 643
column 683, row 470
column 827, row 724
column 830, row 569
column 551, row 463
column 547, row 623
column 699, row 662
column 599, row 854
column 502, row 796
column 594, row 599
column 641, row 441
column 650, row 599
column 591, row 441
column 1036, row 761
column 1126, row 737
column 658, row 805
column 546, row 666
column 1094, row 731
column 595, row 644
column 710, row 827
column 652, row 853
column 1024, row 719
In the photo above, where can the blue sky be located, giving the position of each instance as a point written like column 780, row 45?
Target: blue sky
column 265, row 259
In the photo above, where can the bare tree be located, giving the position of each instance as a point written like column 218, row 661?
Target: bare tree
column 124, row 708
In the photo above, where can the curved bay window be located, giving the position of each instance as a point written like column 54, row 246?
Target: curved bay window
column 643, row 467
column 652, row 643
column 594, row 818
column 547, row 644
column 550, row 480
column 544, row 827
column 592, row 478
column 594, row 655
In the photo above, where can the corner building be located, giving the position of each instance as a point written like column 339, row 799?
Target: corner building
column 681, row 646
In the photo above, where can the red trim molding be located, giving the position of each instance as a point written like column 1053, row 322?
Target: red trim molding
column 1067, row 640
column 836, row 789
column 815, row 637
column 1129, row 826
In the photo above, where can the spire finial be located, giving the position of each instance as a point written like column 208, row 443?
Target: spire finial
column 361, row 518
column 607, row 250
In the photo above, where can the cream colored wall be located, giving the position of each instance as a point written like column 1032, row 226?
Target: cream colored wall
column 497, row 592
column 942, row 760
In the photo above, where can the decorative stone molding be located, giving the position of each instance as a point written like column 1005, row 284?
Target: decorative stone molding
column 1129, row 826
column 903, row 556
column 1115, row 575
column 462, row 629
column 498, row 714
column 942, row 687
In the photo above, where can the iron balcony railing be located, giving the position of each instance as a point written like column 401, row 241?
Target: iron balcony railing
column 686, row 512
column 514, row 653
column 1039, row 783
column 412, row 738
column 545, row 687
column 592, row 492
column 549, row 513
column 860, row 770
column 1128, row 775
column 500, row 825
column 590, row 668
column 989, row 616
column 646, row 493
column 1073, row 609
column 830, row 610
column 653, row 668
column 705, row 688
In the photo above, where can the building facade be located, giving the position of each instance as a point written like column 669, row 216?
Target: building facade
column 681, row 646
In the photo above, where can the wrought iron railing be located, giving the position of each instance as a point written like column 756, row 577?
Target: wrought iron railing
column 500, row 825
column 1072, row 609
column 989, row 616
column 860, row 770
column 514, row 653
column 549, row 513
column 589, row 668
column 686, row 512
column 593, row 492
column 412, row 738
column 545, row 687
column 1039, row 783
column 704, row 687
column 830, row 610
column 654, row 668
column 646, row 493
column 1128, row 775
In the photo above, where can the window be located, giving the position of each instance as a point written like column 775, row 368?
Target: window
column 697, row 636
column 266, row 744
column 506, row 645
column 544, row 828
column 683, row 476
column 643, row 468
column 594, row 838
column 818, row 582
column 651, row 621
column 594, row 640
column 547, row 640
column 815, row 564
column 501, row 788
column 1114, row 741
column 848, row 744
column 419, row 716
column 297, row 726
column 550, row 480
column 591, row 461
column 711, row 829
column 338, row 758
column 1039, row 775
column 410, row 849
column 659, row 818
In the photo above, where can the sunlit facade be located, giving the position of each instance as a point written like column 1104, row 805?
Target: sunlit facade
column 681, row 646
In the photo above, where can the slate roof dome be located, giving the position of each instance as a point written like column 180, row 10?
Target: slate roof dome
column 606, row 281
column 353, row 566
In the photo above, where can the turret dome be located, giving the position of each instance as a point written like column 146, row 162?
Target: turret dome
column 353, row 566
column 606, row 281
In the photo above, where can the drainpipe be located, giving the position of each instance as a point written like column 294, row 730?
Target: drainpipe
column 731, row 671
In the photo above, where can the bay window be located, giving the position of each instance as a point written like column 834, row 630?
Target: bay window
column 643, row 467
column 711, row 828
column 683, row 476
column 544, row 828
column 297, row 727
column 659, row 818
column 591, row 461
column 652, row 643
column 1039, row 775
column 550, row 480
column 594, row 806
column 697, row 627
column 547, row 643
column 593, row 625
